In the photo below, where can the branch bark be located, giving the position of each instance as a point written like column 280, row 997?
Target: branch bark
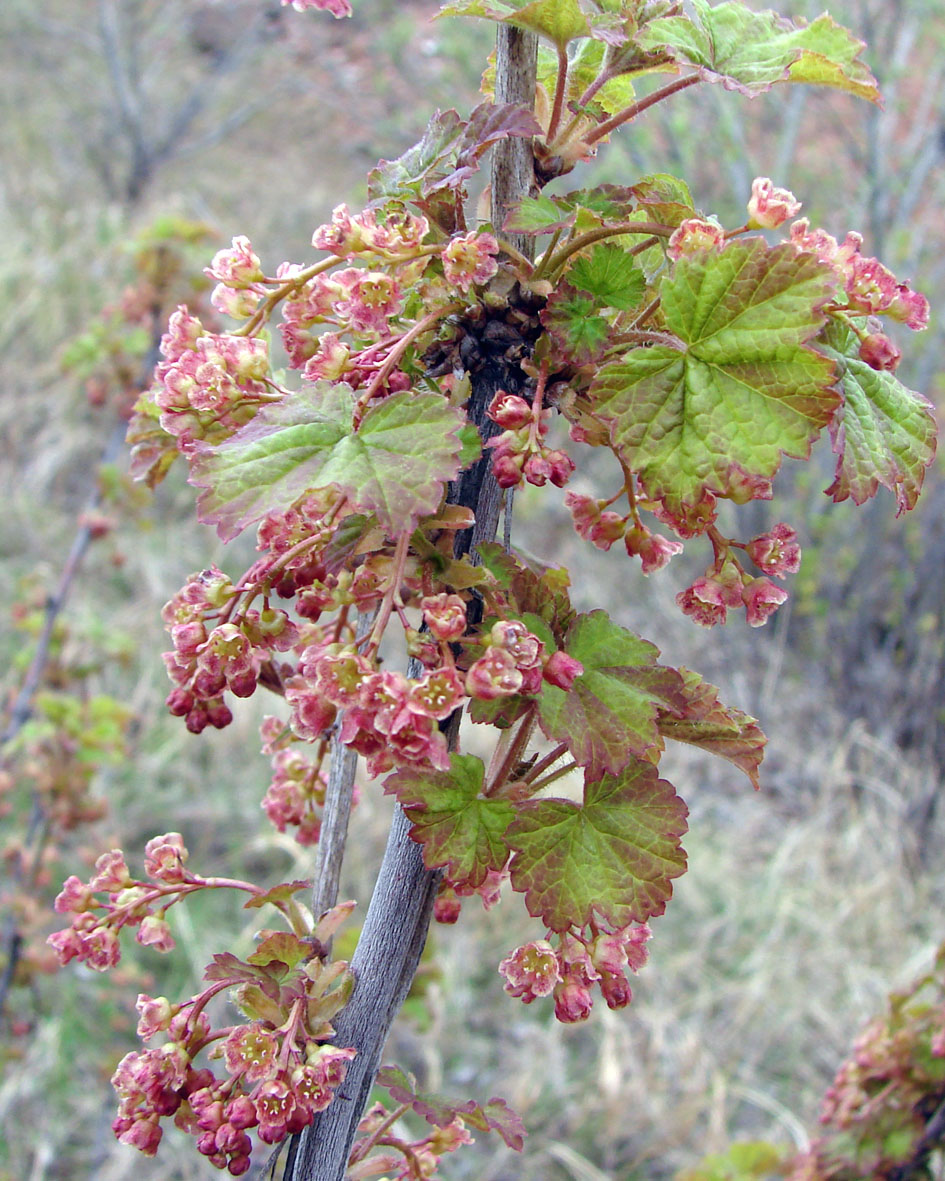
column 398, row 918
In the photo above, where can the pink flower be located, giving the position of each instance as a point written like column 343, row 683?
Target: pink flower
column 910, row 307
column 164, row 858
column 695, row 234
column 493, row 675
column 236, row 267
column 250, row 1050
column 156, row 1014
column 704, row 602
column 74, row 897
column 155, row 932
column 470, row 258
column 770, row 207
column 509, row 410
column 531, row 971
column 562, row 670
column 762, row 598
column 445, row 615
column 776, row 552
column 653, row 550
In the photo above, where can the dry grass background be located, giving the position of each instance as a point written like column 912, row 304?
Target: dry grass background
column 804, row 904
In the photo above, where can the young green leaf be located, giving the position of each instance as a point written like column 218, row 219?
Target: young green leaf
column 572, row 320
column 610, row 715
column 883, row 433
column 740, row 388
column 751, row 51
column 611, row 858
column 395, row 464
column 459, row 829
column 610, row 275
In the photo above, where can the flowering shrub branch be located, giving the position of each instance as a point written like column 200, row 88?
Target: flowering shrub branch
column 429, row 360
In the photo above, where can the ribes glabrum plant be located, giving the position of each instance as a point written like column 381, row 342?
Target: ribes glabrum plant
column 430, row 357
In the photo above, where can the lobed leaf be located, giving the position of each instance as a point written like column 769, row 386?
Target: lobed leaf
column 280, row 893
column 493, row 1116
column 610, row 275
column 751, row 51
column 739, row 387
column 883, row 433
column 610, row 715
column 720, row 729
column 460, row 830
column 395, row 463
column 612, row 858
column 280, row 949
column 571, row 318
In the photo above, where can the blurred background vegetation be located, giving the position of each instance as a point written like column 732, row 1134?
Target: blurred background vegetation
column 804, row 904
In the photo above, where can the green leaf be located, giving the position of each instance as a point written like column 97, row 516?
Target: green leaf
column 664, row 198
column 571, row 318
column 280, row 948
column 751, row 51
column 739, row 388
column 610, row 275
column 539, row 215
column 720, row 729
column 459, row 829
column 394, row 464
column 560, row 21
column 612, row 858
column 403, row 178
column 610, row 715
column 883, row 433
column 494, row 1116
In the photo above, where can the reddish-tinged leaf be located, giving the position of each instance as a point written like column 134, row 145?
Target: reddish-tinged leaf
column 611, row 858
column 494, row 1116
column 431, row 157
column 459, row 829
column 664, row 198
column 720, row 729
column 395, row 464
column 883, row 433
column 281, row 948
column 610, row 715
column 571, row 318
column 741, row 388
column 281, row 893
column 751, row 51
column 226, row 966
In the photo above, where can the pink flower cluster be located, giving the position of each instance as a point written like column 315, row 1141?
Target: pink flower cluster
column 92, row 938
column 870, row 287
column 296, row 795
column 208, row 385
column 727, row 585
column 398, row 239
column 469, row 259
column 602, row 527
column 275, row 1085
column 206, row 662
column 567, row 972
column 520, row 453
column 389, row 719
column 515, row 662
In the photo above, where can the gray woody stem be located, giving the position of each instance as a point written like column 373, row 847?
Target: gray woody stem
column 395, row 927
